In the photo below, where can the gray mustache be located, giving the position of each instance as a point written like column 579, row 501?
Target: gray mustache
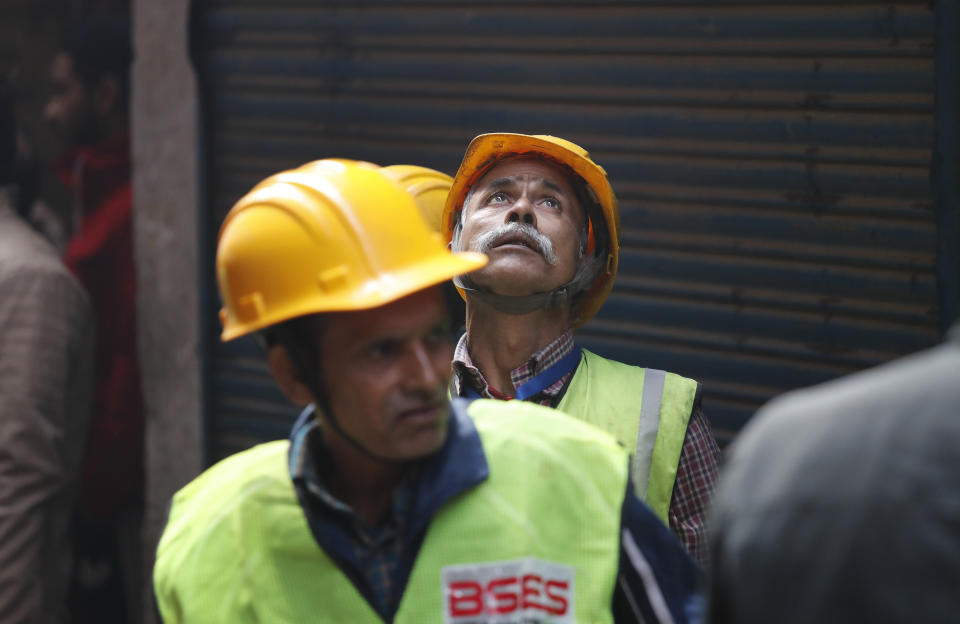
column 486, row 241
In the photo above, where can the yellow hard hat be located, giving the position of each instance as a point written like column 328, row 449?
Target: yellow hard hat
column 332, row 235
column 488, row 149
column 428, row 187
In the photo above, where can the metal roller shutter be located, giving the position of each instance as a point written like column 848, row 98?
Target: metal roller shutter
column 772, row 160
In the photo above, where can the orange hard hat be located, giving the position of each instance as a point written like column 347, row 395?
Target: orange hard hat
column 488, row 149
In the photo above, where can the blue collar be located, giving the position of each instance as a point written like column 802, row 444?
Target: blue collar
column 457, row 466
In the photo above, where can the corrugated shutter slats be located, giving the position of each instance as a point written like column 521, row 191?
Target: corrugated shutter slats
column 772, row 160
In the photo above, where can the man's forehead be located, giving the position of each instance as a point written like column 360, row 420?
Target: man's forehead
column 516, row 169
column 508, row 181
column 411, row 314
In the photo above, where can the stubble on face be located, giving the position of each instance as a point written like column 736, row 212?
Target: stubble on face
column 386, row 372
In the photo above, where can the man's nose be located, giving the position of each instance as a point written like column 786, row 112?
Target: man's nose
column 422, row 369
column 522, row 212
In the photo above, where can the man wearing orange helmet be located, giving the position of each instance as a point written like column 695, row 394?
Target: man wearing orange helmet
column 547, row 217
column 389, row 503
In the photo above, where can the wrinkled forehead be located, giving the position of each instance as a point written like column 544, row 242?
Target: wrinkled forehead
column 513, row 169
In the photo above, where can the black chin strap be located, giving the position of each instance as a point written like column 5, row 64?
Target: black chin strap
column 560, row 297
column 354, row 442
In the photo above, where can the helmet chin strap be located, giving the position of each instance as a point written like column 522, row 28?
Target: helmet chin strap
column 560, row 297
column 327, row 415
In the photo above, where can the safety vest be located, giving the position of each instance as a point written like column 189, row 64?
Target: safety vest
column 604, row 393
column 537, row 541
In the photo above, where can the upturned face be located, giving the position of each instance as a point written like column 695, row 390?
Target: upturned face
column 524, row 215
column 386, row 372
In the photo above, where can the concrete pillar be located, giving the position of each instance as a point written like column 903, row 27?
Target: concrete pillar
column 166, row 208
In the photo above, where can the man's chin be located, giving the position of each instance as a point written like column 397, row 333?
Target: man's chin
column 512, row 281
column 428, row 442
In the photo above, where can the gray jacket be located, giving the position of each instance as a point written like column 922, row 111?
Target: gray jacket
column 841, row 503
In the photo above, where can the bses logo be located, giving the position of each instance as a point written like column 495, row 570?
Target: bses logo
column 507, row 592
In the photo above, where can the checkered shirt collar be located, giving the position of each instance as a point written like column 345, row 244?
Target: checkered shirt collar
column 468, row 375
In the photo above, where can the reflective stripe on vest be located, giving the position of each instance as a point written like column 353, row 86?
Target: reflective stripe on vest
column 539, row 538
column 653, row 381
column 604, row 393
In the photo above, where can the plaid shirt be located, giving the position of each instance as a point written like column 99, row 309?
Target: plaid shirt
column 466, row 375
column 699, row 458
column 378, row 548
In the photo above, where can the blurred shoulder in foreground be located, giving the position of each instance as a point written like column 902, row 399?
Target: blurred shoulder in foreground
column 841, row 503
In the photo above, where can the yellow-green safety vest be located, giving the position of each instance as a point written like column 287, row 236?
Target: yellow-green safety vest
column 604, row 393
column 538, row 539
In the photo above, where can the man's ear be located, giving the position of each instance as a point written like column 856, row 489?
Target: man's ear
column 106, row 97
column 285, row 373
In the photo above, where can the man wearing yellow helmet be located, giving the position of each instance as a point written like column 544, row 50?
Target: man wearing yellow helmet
column 389, row 503
column 546, row 215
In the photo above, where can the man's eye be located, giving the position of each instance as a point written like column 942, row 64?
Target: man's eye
column 383, row 349
column 551, row 202
column 498, row 198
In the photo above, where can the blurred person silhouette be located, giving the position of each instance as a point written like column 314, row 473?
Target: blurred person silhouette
column 26, row 199
column 46, row 360
column 89, row 109
column 841, row 503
